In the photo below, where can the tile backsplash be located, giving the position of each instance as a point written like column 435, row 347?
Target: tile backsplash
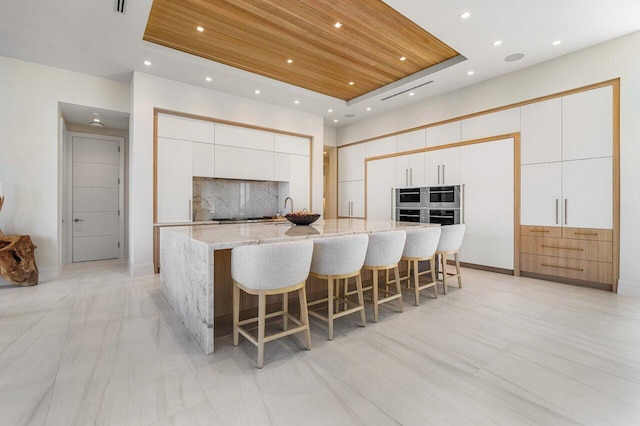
column 228, row 198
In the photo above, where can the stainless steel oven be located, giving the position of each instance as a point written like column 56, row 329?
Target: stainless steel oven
column 410, row 197
column 409, row 215
column 443, row 197
column 444, row 216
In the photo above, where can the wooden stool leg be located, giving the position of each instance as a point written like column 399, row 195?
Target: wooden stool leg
column 444, row 272
column 363, row 316
column 330, row 307
column 304, row 315
column 285, row 310
column 416, row 282
column 432, row 265
column 236, row 313
column 458, row 270
column 262, row 312
column 374, row 295
column 396, row 272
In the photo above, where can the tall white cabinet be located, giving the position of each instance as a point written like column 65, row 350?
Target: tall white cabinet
column 175, row 183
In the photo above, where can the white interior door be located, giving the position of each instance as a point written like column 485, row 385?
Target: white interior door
column 96, row 222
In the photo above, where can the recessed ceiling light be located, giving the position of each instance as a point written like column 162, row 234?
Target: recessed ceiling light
column 337, row 25
column 330, row 110
column 335, row 121
column 471, row 72
column 369, row 109
column 403, row 58
column 257, row 91
column 465, row 15
column 296, row 102
column 199, row 28
column 411, row 94
column 514, row 57
column 147, row 63
column 208, row 78
column 289, row 61
column 497, row 42
column 351, row 83
column 557, row 42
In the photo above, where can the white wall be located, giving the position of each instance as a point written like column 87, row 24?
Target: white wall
column 149, row 92
column 29, row 151
column 606, row 61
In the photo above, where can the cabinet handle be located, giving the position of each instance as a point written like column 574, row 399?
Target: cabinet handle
column 563, row 267
column 565, row 211
column 463, row 203
column 190, row 211
column 392, row 200
column 535, row 230
column 557, row 200
column 592, row 234
column 438, row 174
column 406, row 177
column 411, row 175
column 443, row 182
column 562, row 248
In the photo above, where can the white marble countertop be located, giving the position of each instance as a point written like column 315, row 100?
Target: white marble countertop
column 219, row 237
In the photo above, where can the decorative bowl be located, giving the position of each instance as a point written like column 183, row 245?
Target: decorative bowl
column 302, row 219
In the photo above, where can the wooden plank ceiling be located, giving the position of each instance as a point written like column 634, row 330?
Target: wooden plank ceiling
column 260, row 36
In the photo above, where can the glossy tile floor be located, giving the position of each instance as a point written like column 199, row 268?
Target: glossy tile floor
column 100, row 347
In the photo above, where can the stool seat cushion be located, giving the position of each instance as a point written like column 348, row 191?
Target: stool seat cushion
column 385, row 248
column 421, row 242
column 339, row 255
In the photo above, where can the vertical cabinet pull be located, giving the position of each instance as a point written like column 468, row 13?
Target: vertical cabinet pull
column 392, row 200
column 565, row 211
column 190, row 211
column 557, row 200
column 443, row 174
column 406, row 177
column 463, row 203
column 438, row 174
column 411, row 176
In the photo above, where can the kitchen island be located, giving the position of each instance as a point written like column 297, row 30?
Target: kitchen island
column 195, row 275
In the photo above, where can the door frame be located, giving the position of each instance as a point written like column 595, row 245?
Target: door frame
column 69, row 190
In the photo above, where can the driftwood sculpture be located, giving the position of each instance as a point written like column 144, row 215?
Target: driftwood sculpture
column 17, row 260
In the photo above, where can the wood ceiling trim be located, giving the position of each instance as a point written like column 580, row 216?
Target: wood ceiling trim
column 259, row 36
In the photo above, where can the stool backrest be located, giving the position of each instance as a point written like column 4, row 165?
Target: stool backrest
column 385, row 248
column 339, row 255
column 421, row 242
column 451, row 237
column 271, row 266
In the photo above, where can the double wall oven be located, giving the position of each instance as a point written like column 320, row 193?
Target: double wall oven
column 434, row 204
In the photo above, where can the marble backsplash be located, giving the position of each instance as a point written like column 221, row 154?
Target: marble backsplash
column 228, row 198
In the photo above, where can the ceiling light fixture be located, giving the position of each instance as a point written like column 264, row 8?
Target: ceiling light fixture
column 471, row 72
column 557, row 42
column 208, row 78
column 96, row 124
column 369, row 109
column 289, row 61
column 497, row 42
column 330, row 110
column 465, row 15
column 411, row 94
column 403, row 58
column 335, row 121
column 257, row 92
column 147, row 63
column 337, row 25
column 351, row 83
column 199, row 28
column 296, row 102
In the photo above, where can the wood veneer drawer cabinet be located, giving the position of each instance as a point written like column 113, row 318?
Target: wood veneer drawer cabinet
column 541, row 231
column 585, row 270
column 599, row 251
column 588, row 234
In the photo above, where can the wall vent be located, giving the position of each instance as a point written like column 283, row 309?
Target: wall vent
column 119, row 6
column 405, row 91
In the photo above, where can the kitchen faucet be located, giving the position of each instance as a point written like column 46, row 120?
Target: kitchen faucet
column 285, row 203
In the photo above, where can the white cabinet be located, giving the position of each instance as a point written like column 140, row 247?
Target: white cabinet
column 442, row 167
column 541, row 132
column 175, row 181
column 187, row 129
column 351, row 162
column 409, row 170
column 281, row 167
column 488, row 199
column 291, row 144
column 575, row 193
column 379, row 147
column 410, row 141
column 380, row 189
column 494, row 124
column 241, row 163
column 203, row 159
column 300, row 181
column 243, row 137
column 351, row 198
column 444, row 134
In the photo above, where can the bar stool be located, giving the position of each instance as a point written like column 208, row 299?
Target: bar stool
column 335, row 259
column 268, row 269
column 384, row 253
column 450, row 242
column 421, row 246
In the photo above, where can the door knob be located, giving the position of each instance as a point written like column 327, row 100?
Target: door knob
column 78, row 220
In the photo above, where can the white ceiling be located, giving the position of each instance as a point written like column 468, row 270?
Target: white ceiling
column 88, row 36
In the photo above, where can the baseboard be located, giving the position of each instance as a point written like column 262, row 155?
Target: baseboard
column 629, row 288
column 48, row 274
column 140, row 270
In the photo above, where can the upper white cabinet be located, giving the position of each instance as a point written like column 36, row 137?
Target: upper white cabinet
column 587, row 124
column 299, row 182
column 175, row 181
column 282, row 166
column 241, row 163
column 188, row 129
column 442, row 167
column 291, row 144
column 412, row 140
column 488, row 203
column 541, row 132
column 243, row 137
column 587, row 191
column 379, row 147
column 409, row 170
column 444, row 134
column 380, row 189
column 351, row 162
column 494, row 124
column 203, row 159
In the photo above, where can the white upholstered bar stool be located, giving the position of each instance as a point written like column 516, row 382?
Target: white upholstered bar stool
column 384, row 253
column 450, row 242
column 270, row 269
column 421, row 246
column 335, row 259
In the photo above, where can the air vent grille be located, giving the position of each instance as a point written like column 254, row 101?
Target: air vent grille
column 408, row 90
column 119, row 6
